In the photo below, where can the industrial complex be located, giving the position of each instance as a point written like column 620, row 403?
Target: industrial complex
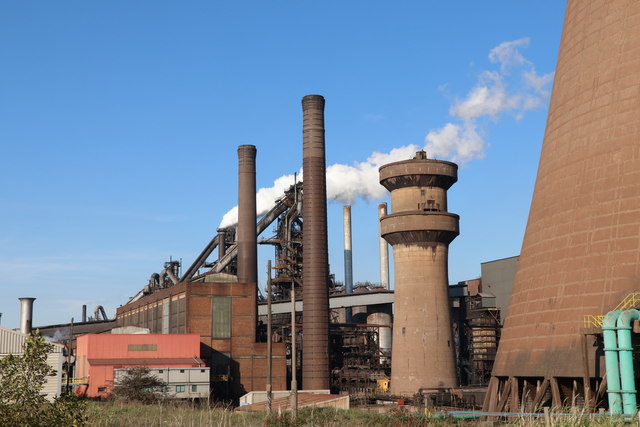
column 554, row 326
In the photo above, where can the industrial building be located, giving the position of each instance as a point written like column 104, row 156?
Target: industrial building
column 12, row 342
column 173, row 358
column 538, row 328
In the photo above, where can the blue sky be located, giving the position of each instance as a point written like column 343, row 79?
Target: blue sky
column 119, row 123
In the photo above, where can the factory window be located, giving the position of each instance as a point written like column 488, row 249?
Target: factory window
column 202, row 371
column 182, row 371
column 194, row 388
column 220, row 317
column 179, row 389
column 102, row 389
column 160, row 371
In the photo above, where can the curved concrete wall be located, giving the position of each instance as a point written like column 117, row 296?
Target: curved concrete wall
column 581, row 250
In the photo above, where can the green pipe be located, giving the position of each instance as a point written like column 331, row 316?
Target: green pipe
column 625, row 354
column 611, row 361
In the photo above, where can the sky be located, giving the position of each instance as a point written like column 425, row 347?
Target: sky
column 120, row 121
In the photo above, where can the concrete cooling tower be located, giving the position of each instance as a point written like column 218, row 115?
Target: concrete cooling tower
column 580, row 256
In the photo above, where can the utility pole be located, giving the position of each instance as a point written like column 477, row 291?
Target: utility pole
column 269, row 346
column 294, row 362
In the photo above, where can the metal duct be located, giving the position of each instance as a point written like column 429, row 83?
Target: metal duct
column 384, row 250
column 315, row 363
column 222, row 245
column 246, row 234
column 26, row 314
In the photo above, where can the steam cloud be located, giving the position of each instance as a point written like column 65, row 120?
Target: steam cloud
column 514, row 89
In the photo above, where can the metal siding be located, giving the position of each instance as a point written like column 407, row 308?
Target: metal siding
column 221, row 317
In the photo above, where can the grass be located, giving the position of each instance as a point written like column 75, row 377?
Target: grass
column 115, row 414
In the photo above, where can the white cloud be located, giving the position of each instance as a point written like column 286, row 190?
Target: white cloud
column 514, row 89
column 508, row 54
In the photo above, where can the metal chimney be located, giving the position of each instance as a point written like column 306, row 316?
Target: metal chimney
column 246, row 232
column 222, row 243
column 315, row 363
column 348, row 256
column 26, row 314
column 384, row 250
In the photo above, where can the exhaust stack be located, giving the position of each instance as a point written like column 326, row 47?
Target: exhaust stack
column 315, row 363
column 246, row 232
column 26, row 314
column 348, row 257
column 384, row 250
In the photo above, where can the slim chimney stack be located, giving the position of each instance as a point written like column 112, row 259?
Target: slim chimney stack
column 246, row 232
column 26, row 314
column 384, row 249
column 348, row 257
column 315, row 363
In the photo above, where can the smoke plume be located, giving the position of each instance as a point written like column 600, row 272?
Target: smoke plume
column 514, row 88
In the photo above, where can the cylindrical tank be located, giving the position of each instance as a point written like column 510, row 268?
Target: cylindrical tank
column 383, row 320
column 26, row 314
column 315, row 361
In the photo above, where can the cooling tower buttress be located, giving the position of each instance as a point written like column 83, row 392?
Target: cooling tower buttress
column 580, row 253
column 315, row 359
column 420, row 230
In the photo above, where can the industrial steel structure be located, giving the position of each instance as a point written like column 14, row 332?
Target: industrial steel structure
column 581, row 251
column 420, row 230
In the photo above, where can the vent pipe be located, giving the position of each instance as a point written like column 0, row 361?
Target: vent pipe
column 315, row 363
column 246, row 231
column 26, row 314
column 222, row 244
column 384, row 249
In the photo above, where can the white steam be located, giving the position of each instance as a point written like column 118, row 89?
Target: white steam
column 513, row 89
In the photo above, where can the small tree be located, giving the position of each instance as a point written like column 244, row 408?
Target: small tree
column 140, row 385
column 22, row 378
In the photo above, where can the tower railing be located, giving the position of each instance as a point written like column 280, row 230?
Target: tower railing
column 632, row 300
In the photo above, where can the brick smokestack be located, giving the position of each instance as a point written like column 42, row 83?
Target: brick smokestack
column 315, row 362
column 246, row 232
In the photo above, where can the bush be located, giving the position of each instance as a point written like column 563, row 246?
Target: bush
column 139, row 385
column 22, row 378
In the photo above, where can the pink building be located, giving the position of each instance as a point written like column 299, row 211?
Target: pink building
column 98, row 355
